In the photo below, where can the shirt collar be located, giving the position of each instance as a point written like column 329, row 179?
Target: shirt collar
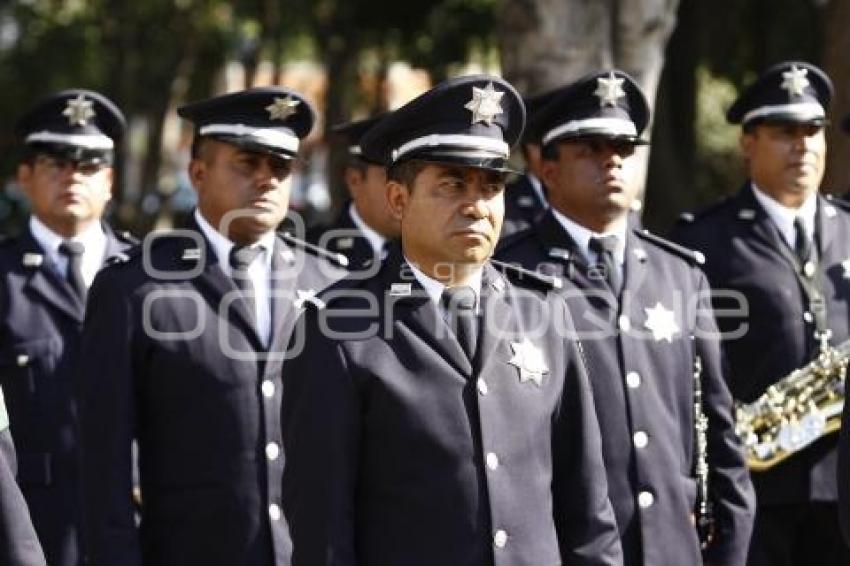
column 435, row 288
column 537, row 186
column 92, row 238
column 581, row 236
column 376, row 241
column 222, row 245
column 783, row 216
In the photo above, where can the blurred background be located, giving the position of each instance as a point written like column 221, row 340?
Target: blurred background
column 354, row 58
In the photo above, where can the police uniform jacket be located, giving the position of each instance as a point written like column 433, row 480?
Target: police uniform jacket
column 344, row 237
column 746, row 253
column 40, row 323
column 168, row 362
column 400, row 451
column 19, row 544
column 522, row 206
column 641, row 353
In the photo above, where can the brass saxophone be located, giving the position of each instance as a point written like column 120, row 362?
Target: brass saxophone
column 704, row 513
column 795, row 411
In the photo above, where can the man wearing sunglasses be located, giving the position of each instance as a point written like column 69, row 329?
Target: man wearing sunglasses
column 69, row 144
column 641, row 306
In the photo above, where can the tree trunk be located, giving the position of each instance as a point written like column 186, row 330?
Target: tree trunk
column 836, row 48
column 547, row 43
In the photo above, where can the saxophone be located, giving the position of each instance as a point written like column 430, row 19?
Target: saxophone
column 796, row 411
column 704, row 514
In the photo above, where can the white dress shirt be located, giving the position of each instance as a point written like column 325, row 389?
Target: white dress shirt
column 581, row 236
column 93, row 240
column 783, row 217
column 259, row 271
column 376, row 241
column 435, row 288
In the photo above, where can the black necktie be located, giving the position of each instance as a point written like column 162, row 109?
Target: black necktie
column 802, row 243
column 459, row 302
column 73, row 252
column 604, row 247
column 241, row 258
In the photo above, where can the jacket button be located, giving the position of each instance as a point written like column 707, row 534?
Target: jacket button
column 645, row 499
column 633, row 380
column 500, row 539
column 641, row 439
column 624, row 323
column 23, row 360
column 268, row 389
column 482, row 386
column 272, row 451
column 807, row 316
column 492, row 461
column 274, row 512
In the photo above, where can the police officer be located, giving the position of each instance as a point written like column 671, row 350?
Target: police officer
column 19, row 544
column 366, row 227
column 634, row 299
column 69, row 142
column 450, row 424
column 781, row 247
column 525, row 197
column 184, row 351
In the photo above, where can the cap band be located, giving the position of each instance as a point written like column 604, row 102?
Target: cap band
column 804, row 110
column 272, row 137
column 86, row 141
column 612, row 126
column 460, row 141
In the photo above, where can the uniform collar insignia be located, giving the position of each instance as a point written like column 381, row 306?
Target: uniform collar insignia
column 845, row 265
column 345, row 243
column 191, row 254
column 794, row 81
column 640, row 254
column 609, row 90
column 528, row 359
column 746, row 214
column 559, row 253
column 485, row 105
column 79, row 111
column 525, row 201
column 498, row 285
column 307, row 296
column 829, row 211
column 32, row 259
column 287, row 255
column 401, row 290
column 661, row 322
column 282, row 108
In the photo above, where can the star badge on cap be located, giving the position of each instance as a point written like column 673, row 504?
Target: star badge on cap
column 609, row 90
column 485, row 104
column 79, row 111
column 528, row 359
column 661, row 322
column 282, row 108
column 794, row 81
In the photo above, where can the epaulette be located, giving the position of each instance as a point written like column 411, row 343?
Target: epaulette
column 125, row 256
column 518, row 273
column 336, row 258
column 691, row 217
column 692, row 256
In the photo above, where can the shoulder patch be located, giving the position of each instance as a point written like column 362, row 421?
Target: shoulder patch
column 518, row 274
column 690, row 217
column 692, row 256
column 337, row 259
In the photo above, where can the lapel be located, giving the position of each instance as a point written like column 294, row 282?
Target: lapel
column 498, row 319
column 418, row 312
column 360, row 250
column 826, row 229
column 283, row 288
column 213, row 281
column 756, row 221
column 44, row 282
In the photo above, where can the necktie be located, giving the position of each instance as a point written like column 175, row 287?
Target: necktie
column 604, row 247
column 241, row 257
column 73, row 251
column 802, row 243
column 459, row 302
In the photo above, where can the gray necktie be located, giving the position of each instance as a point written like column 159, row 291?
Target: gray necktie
column 604, row 247
column 241, row 257
column 459, row 302
column 73, row 252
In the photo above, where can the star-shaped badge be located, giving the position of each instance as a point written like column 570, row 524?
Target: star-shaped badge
column 79, row 111
column 485, row 104
column 794, row 81
column 661, row 322
column 609, row 90
column 282, row 108
column 528, row 359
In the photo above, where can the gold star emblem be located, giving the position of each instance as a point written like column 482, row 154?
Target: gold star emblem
column 794, row 81
column 282, row 108
column 79, row 111
column 485, row 104
column 528, row 359
column 609, row 90
column 661, row 322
